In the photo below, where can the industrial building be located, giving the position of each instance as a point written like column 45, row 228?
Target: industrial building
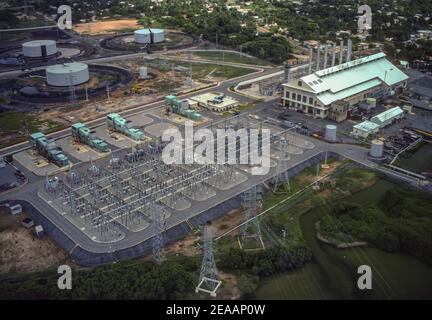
column 62, row 75
column 332, row 92
column 388, row 117
column 146, row 36
column 364, row 129
column 372, row 126
column 39, row 48
column 215, row 102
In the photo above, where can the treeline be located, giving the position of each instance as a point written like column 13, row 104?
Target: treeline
column 139, row 280
column 401, row 222
column 265, row 262
column 174, row 279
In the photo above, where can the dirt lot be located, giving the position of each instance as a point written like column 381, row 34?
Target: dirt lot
column 22, row 251
column 105, row 27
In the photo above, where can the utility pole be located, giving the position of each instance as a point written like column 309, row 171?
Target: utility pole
column 157, row 240
column 209, row 279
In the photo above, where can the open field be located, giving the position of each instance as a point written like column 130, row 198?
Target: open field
column 22, row 251
column 15, row 127
column 231, row 57
column 103, row 27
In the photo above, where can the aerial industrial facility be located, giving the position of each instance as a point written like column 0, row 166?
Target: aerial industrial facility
column 94, row 116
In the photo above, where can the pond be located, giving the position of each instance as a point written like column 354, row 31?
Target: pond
column 333, row 274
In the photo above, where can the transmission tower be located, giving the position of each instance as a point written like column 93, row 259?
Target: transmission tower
column 281, row 181
column 208, row 280
column 157, row 240
column 250, row 233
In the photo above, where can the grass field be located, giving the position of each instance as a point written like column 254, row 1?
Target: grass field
column 14, row 127
column 201, row 70
column 231, row 57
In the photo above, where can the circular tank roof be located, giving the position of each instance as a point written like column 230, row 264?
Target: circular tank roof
column 38, row 43
column 331, row 127
column 67, row 67
column 147, row 31
column 377, row 142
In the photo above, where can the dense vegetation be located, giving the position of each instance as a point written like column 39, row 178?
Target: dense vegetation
column 138, row 280
column 265, row 262
column 401, row 221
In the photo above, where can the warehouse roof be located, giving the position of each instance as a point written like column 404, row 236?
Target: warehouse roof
column 352, row 77
column 366, row 126
column 387, row 115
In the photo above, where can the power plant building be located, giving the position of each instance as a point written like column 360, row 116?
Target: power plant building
column 331, row 92
column 39, row 48
column 62, row 75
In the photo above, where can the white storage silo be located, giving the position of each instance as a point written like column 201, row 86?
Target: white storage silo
column 377, row 148
column 143, row 73
column 330, row 132
column 39, row 48
column 62, row 75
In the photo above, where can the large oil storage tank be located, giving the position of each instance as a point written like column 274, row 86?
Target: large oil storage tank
column 158, row 35
column 330, row 132
column 142, row 36
column 62, row 75
column 149, row 35
column 39, row 48
column 377, row 148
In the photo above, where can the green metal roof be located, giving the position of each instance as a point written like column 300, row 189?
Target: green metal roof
column 355, row 76
column 387, row 115
column 366, row 126
column 328, row 97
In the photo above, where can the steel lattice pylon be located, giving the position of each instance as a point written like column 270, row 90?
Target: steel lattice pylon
column 281, row 181
column 251, row 230
column 157, row 240
column 208, row 280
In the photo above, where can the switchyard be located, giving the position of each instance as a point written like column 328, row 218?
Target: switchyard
column 112, row 200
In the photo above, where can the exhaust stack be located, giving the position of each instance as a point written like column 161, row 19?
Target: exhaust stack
column 325, row 56
column 310, row 60
column 349, row 50
column 333, row 55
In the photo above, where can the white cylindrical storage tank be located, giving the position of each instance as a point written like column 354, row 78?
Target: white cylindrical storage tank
column 142, row 36
column 157, row 35
column 39, row 48
column 143, row 72
column 62, row 75
column 377, row 148
column 330, row 132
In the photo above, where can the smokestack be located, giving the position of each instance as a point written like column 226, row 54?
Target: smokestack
column 318, row 58
column 341, row 51
column 325, row 56
column 286, row 72
column 334, row 54
column 310, row 59
column 349, row 50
